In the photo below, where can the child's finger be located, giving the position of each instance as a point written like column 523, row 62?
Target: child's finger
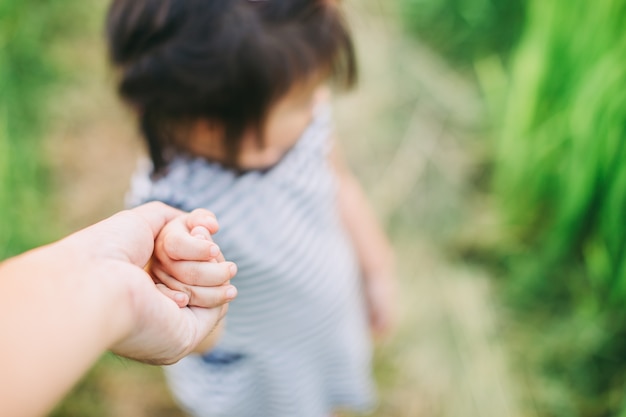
column 202, row 217
column 202, row 232
column 208, row 297
column 180, row 298
column 202, row 274
column 194, row 246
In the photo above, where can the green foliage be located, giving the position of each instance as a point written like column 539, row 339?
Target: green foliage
column 559, row 180
column 561, row 176
column 561, row 183
column 465, row 30
column 28, row 30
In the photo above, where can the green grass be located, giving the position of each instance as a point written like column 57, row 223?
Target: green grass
column 561, row 182
column 557, row 94
column 465, row 31
column 28, row 71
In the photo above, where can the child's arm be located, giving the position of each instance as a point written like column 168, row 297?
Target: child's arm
column 373, row 249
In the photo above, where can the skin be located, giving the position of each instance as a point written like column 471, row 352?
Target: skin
column 66, row 303
column 286, row 121
column 185, row 256
column 186, row 242
column 373, row 249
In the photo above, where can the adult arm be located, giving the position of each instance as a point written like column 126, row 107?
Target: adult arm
column 63, row 305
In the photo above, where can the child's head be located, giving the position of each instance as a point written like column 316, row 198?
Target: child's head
column 223, row 61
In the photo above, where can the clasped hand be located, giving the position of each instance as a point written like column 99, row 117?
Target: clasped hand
column 160, row 245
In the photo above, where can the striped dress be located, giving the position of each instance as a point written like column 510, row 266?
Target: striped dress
column 296, row 341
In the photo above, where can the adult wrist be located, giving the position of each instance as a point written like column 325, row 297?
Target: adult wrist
column 104, row 285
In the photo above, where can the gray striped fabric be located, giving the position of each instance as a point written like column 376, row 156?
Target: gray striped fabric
column 296, row 341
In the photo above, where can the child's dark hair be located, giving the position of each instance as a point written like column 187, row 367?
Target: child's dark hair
column 221, row 60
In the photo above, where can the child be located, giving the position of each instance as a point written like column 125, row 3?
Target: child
column 231, row 99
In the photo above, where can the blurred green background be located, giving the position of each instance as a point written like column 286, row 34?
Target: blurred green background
column 27, row 71
column 489, row 135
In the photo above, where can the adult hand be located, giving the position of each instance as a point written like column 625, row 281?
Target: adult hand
column 158, row 331
column 64, row 304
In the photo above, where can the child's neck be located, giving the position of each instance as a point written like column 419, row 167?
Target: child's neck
column 286, row 121
column 207, row 141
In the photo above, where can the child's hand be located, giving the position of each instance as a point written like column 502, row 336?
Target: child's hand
column 381, row 297
column 188, row 266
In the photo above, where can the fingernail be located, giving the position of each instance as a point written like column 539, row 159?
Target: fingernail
column 200, row 232
column 231, row 292
column 181, row 298
column 233, row 269
column 214, row 251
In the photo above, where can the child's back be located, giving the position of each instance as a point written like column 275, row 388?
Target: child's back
column 254, row 147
